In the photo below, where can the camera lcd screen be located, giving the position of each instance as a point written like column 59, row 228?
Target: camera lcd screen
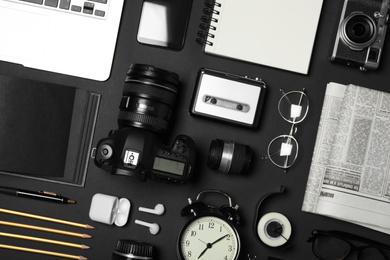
column 164, row 23
column 169, row 166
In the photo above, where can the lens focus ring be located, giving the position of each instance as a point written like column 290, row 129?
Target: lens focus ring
column 149, row 95
column 229, row 157
column 128, row 118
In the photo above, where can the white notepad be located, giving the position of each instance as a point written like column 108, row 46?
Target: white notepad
column 275, row 33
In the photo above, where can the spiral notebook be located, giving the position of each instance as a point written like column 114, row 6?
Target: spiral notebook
column 278, row 34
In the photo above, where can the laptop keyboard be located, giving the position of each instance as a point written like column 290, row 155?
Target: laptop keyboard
column 91, row 8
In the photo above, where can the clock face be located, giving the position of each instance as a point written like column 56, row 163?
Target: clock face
column 209, row 238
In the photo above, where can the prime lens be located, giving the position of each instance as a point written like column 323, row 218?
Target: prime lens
column 229, row 157
column 132, row 250
column 149, row 94
column 358, row 31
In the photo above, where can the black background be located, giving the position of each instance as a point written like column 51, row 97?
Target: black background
column 245, row 190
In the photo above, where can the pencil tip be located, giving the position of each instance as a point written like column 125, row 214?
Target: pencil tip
column 84, row 247
column 71, row 202
column 89, row 226
column 83, row 258
column 86, row 236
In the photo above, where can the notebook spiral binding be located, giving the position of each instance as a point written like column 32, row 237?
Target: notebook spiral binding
column 206, row 22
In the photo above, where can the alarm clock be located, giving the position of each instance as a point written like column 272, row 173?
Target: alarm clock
column 210, row 234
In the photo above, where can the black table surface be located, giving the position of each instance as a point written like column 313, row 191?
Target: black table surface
column 245, row 190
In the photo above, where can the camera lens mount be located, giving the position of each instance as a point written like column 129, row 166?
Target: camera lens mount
column 358, row 31
column 149, row 94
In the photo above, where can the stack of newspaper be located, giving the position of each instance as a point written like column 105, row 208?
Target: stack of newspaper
column 349, row 177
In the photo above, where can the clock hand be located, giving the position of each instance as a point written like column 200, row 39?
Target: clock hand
column 219, row 239
column 204, row 251
column 202, row 241
column 210, row 245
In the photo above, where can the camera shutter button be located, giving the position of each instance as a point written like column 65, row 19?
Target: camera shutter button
column 180, row 146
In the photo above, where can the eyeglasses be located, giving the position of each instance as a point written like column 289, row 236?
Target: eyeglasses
column 337, row 245
column 283, row 149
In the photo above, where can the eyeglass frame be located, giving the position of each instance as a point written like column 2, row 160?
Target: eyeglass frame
column 345, row 236
column 292, row 130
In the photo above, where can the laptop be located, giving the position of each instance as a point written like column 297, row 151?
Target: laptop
column 71, row 37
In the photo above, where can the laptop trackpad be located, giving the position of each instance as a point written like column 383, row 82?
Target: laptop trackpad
column 26, row 36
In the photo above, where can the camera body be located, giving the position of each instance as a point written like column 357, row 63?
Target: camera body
column 361, row 33
column 136, row 149
column 140, row 153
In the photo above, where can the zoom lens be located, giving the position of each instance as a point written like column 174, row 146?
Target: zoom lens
column 229, row 157
column 358, row 31
column 149, row 94
column 132, row 250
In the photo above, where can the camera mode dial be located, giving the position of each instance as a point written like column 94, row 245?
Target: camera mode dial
column 104, row 152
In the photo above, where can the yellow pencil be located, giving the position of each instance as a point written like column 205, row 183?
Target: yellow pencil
column 43, row 240
column 28, row 215
column 52, row 230
column 38, row 251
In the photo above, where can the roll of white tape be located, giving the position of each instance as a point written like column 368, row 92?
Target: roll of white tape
column 274, row 229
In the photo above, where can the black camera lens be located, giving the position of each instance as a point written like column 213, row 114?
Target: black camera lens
column 229, row 157
column 149, row 94
column 132, row 250
column 358, row 31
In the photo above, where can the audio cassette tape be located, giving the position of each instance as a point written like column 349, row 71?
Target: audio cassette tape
column 228, row 97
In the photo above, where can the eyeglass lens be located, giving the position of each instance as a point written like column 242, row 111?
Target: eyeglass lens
column 283, row 150
column 379, row 253
column 293, row 106
column 332, row 248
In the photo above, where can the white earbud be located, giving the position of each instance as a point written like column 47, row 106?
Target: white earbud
column 154, row 228
column 159, row 209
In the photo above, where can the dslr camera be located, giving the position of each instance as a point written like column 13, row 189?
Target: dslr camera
column 136, row 149
column 361, row 33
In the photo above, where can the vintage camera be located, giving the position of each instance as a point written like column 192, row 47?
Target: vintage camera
column 136, row 149
column 361, row 33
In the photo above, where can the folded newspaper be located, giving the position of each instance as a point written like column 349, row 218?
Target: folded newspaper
column 349, row 177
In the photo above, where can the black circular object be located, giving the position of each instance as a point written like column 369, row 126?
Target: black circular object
column 229, row 157
column 105, row 152
column 274, row 229
column 149, row 94
column 358, row 31
column 132, row 250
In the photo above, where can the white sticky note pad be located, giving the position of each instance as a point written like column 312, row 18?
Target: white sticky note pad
column 295, row 111
column 286, row 149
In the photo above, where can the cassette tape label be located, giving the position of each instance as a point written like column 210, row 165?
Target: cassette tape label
column 228, row 97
